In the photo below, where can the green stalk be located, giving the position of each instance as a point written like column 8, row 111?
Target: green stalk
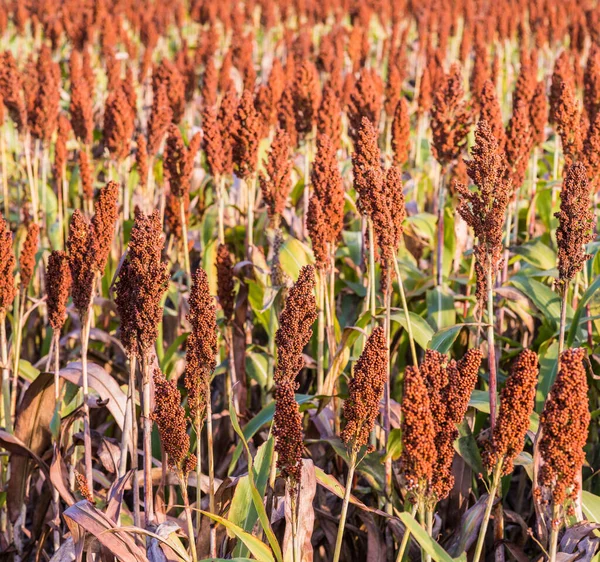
column 424, row 556
column 491, row 343
column 147, row 442
column 387, row 398
column 553, row 540
column 211, row 472
column 306, row 193
column 4, row 173
column 411, row 338
column 250, row 217
column 372, row 288
column 6, row 398
column 55, row 495
column 87, row 438
column 19, row 307
column 496, row 477
column 188, row 516
column 184, row 236
column 198, row 427
column 320, row 331
column 344, row 512
column 563, row 318
column 221, row 208
column 405, row 537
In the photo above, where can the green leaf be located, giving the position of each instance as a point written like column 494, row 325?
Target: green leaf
column 293, row 256
column 257, row 367
column 422, row 332
column 466, row 447
column 27, row 370
column 537, row 253
column 260, row 419
column 394, row 444
column 242, row 511
column 544, row 298
column 423, row 224
column 449, row 240
column 171, row 350
column 430, row 546
column 548, row 370
column 353, row 242
column 440, row 308
column 444, row 339
column 480, row 401
column 257, row 497
column 590, row 504
column 258, row 548
column 585, row 299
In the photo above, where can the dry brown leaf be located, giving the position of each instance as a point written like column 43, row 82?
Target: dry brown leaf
column 305, row 517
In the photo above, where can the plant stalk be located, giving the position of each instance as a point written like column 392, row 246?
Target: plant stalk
column 188, row 516
column 405, row 537
column 491, row 343
column 211, row 472
column 553, row 540
column 411, row 339
column 6, row 399
column 344, row 512
column 488, row 511
column 147, row 442
column 87, row 437
column 184, row 236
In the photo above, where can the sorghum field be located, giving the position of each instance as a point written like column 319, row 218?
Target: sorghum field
column 299, row 280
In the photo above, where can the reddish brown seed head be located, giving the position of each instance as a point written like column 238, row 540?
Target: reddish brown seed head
column 567, row 117
column 160, row 118
column 365, row 390
column 329, row 116
column 484, row 209
column 28, row 253
column 289, row 437
column 7, row 267
column 295, row 325
column 82, row 110
column 450, row 118
column 87, row 175
column 143, row 279
column 246, row 136
column 563, row 74
column 225, row 284
column 168, row 74
column 58, row 282
column 82, row 267
column 106, row 213
column 519, row 141
column 276, row 182
column 118, row 124
column 575, row 223
column 517, row 400
column 490, row 112
column 365, row 102
column 169, row 416
column 179, row 161
column 201, row 350
column 306, row 97
column 401, row 133
column 44, row 114
column 366, row 166
column 418, row 434
column 325, row 218
column 212, row 141
column 564, row 428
